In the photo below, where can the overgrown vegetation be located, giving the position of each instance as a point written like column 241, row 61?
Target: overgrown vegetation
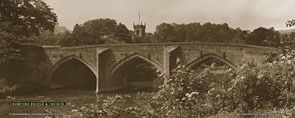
column 20, row 22
column 250, row 89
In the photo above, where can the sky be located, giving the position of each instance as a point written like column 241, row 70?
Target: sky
column 245, row 14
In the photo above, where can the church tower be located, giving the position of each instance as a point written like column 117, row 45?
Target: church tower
column 139, row 28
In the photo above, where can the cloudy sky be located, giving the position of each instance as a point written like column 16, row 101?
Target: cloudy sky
column 246, row 14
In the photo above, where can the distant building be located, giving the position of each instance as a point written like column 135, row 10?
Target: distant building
column 139, row 28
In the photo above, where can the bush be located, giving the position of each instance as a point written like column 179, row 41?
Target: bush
column 264, row 86
column 186, row 94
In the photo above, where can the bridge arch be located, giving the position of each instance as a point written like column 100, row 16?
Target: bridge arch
column 70, row 63
column 134, row 56
column 72, row 57
column 199, row 61
column 126, row 68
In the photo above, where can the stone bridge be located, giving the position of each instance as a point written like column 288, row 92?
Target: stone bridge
column 108, row 61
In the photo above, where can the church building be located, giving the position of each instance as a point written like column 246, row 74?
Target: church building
column 139, row 28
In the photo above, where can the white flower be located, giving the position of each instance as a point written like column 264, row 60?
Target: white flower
column 195, row 93
column 187, row 94
column 231, row 74
column 74, row 110
column 218, row 95
column 209, row 92
column 260, row 76
column 242, row 77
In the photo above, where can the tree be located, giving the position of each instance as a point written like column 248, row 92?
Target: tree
column 86, row 35
column 21, row 20
column 264, row 37
column 290, row 23
column 46, row 38
column 122, row 33
column 27, row 17
column 64, row 39
column 163, row 32
column 101, row 26
column 207, row 32
column 99, row 31
column 239, row 37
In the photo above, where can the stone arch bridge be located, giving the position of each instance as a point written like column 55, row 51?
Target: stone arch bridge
column 108, row 60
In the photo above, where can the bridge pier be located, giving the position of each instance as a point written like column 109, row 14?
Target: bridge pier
column 99, row 61
column 171, row 54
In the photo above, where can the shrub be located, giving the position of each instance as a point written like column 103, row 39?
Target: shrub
column 266, row 85
column 187, row 94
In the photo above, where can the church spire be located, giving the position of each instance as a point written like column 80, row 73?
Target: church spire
column 139, row 17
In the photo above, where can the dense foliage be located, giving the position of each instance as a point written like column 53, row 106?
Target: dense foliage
column 264, row 37
column 288, row 39
column 220, row 33
column 26, row 17
column 290, row 23
column 20, row 21
column 196, row 32
column 97, row 31
column 248, row 88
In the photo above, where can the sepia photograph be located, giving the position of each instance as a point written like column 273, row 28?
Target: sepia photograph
column 147, row 59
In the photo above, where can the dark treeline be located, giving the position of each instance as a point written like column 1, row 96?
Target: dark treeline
column 98, row 31
column 102, row 31
column 220, row 33
column 207, row 32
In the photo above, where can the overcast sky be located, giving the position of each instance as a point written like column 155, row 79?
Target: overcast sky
column 246, row 14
